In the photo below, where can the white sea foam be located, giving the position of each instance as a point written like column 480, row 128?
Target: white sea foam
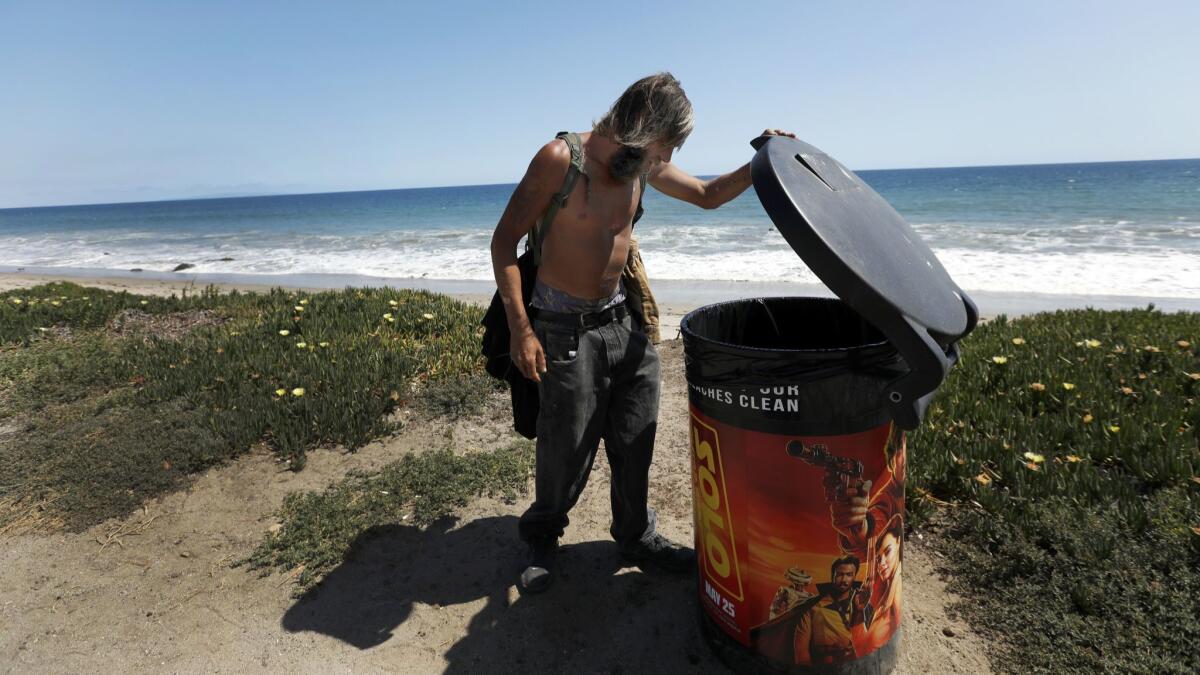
column 1084, row 258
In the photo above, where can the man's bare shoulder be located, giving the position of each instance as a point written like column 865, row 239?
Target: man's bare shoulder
column 551, row 162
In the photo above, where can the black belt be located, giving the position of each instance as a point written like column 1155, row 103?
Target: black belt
column 584, row 320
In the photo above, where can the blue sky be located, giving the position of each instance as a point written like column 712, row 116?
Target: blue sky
column 126, row 101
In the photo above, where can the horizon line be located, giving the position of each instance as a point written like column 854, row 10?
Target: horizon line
column 471, row 185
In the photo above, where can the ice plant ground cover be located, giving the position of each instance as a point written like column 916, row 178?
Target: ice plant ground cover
column 320, row 529
column 1058, row 469
column 100, row 419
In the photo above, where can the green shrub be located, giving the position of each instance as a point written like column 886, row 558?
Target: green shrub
column 318, row 528
column 28, row 314
column 294, row 370
column 458, row 397
column 1068, row 444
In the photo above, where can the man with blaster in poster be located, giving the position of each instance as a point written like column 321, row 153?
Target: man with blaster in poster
column 867, row 522
column 818, row 631
column 869, row 519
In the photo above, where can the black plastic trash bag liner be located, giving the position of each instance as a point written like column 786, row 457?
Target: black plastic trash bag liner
column 743, row 346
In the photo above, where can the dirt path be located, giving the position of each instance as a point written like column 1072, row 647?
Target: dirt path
column 159, row 595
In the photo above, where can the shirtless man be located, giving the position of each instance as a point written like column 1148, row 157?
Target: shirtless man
column 598, row 376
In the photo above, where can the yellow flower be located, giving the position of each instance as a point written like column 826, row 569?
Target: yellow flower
column 298, row 391
column 299, row 308
column 983, row 479
column 301, row 345
column 390, row 319
column 1018, row 341
column 1151, row 348
column 1092, row 344
column 285, row 332
column 427, row 315
column 16, row 301
column 1034, row 457
column 999, row 360
column 388, row 315
column 393, row 303
column 1074, row 458
column 1114, row 428
column 304, row 301
column 323, row 344
column 1037, row 386
column 1032, row 466
column 1068, row 386
column 56, row 303
column 234, row 332
column 1087, row 419
column 280, row 392
column 145, row 302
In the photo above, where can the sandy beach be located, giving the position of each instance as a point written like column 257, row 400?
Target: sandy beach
column 155, row 592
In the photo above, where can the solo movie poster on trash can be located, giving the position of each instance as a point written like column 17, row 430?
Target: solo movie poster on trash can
column 799, row 538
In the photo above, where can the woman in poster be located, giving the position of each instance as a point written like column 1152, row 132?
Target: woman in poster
column 880, row 599
column 869, row 520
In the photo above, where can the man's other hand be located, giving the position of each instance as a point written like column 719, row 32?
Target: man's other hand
column 527, row 353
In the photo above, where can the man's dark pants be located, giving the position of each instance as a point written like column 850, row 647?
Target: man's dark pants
column 601, row 383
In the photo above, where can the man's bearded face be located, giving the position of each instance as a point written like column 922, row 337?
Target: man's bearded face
column 627, row 162
column 843, row 578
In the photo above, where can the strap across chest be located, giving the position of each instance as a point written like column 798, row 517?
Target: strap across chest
column 538, row 234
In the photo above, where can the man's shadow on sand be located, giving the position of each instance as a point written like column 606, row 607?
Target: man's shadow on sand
column 597, row 617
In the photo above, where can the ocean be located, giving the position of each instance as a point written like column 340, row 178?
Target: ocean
column 1099, row 229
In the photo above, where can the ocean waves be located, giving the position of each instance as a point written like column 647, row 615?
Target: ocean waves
column 1120, row 229
column 983, row 261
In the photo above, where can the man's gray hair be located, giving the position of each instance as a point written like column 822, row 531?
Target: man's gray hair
column 653, row 109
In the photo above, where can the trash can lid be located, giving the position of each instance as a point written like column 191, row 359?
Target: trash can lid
column 870, row 257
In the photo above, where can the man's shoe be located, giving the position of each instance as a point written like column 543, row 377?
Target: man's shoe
column 662, row 553
column 539, row 573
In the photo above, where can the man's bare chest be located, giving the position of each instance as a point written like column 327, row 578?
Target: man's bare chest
column 598, row 210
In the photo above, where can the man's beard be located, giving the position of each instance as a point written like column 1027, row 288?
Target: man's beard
column 625, row 163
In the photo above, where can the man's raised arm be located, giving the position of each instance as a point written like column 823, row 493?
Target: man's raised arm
column 528, row 202
column 707, row 194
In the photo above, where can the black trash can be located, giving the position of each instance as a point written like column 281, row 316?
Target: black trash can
column 798, row 411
